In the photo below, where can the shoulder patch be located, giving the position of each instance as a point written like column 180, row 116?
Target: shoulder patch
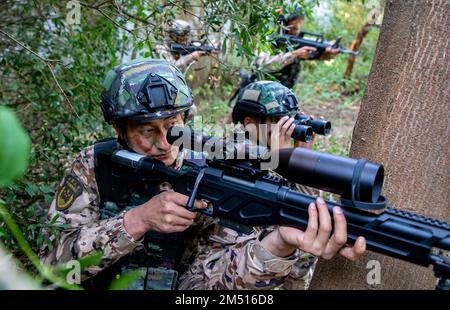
column 68, row 192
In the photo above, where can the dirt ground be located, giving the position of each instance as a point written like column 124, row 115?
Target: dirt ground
column 342, row 122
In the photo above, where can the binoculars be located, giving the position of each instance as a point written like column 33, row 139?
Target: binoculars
column 305, row 126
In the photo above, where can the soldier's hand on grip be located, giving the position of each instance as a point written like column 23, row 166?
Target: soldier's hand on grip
column 165, row 213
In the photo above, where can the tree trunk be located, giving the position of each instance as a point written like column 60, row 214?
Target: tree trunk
column 404, row 124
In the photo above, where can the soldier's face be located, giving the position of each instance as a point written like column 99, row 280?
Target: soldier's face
column 295, row 26
column 150, row 138
column 180, row 39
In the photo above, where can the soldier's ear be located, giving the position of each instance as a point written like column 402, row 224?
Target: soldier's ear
column 249, row 120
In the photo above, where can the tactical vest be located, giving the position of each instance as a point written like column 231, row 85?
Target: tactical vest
column 158, row 261
column 289, row 74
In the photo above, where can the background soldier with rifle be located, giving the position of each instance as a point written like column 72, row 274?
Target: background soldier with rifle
column 285, row 65
column 178, row 49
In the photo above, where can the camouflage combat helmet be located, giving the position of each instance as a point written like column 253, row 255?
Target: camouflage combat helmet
column 264, row 99
column 179, row 28
column 145, row 89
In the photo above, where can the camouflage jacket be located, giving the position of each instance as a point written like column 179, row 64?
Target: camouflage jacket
column 181, row 62
column 222, row 258
column 274, row 63
column 283, row 66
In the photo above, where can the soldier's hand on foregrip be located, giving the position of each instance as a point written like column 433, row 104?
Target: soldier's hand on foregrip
column 316, row 239
column 164, row 213
column 304, row 52
column 329, row 53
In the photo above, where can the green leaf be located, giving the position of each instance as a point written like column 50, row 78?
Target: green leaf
column 269, row 31
column 53, row 221
column 46, row 189
column 31, row 189
column 14, row 147
column 90, row 260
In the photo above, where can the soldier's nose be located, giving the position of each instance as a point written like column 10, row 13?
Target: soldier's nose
column 163, row 144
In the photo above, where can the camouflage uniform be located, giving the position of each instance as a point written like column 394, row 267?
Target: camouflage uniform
column 223, row 259
column 177, row 28
column 284, row 66
column 212, row 256
column 181, row 62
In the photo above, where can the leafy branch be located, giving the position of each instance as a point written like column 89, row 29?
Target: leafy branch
column 48, row 63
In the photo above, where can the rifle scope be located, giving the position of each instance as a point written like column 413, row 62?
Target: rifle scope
column 331, row 173
column 353, row 179
column 215, row 147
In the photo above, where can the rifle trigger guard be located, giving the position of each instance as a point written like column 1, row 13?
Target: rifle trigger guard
column 191, row 200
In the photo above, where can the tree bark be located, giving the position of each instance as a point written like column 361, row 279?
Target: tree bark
column 404, row 124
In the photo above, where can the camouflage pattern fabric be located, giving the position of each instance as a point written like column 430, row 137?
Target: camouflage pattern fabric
column 274, row 63
column 122, row 85
column 223, row 259
column 271, row 95
column 283, row 66
column 182, row 62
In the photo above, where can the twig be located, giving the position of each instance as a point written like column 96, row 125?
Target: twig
column 49, row 65
column 122, row 13
column 101, row 3
column 186, row 11
column 60, row 88
column 108, row 17
column 27, row 48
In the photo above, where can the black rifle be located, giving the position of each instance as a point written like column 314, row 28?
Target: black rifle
column 310, row 39
column 243, row 195
column 193, row 46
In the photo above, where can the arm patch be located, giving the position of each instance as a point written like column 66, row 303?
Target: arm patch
column 68, row 192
